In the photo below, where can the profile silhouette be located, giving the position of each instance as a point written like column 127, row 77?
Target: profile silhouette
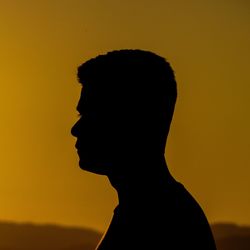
column 126, row 107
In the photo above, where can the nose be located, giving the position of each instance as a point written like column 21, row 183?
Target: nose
column 74, row 129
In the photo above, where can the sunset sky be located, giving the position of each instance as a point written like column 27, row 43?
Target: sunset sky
column 208, row 150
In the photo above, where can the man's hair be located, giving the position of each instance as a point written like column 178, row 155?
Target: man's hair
column 137, row 77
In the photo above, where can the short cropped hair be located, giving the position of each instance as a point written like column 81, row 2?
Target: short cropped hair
column 135, row 76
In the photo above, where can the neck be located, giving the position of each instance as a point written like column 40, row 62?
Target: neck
column 141, row 179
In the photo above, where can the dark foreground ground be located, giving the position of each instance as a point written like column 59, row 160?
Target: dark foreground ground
column 15, row 236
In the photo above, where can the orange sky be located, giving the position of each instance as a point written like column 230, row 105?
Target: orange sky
column 43, row 42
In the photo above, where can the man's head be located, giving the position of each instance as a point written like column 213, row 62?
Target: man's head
column 126, row 107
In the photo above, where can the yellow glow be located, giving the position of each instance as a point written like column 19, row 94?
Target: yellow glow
column 43, row 42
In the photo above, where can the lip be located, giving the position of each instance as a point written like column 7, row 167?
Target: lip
column 77, row 145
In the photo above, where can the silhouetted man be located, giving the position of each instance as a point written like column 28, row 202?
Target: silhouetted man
column 126, row 106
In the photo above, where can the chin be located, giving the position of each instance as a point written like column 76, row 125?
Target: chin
column 93, row 167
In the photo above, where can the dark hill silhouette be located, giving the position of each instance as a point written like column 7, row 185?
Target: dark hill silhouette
column 231, row 236
column 17, row 236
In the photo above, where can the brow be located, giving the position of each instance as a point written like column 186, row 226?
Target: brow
column 78, row 108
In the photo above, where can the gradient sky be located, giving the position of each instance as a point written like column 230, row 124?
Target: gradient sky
column 43, row 42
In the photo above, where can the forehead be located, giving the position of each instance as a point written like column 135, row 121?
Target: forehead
column 82, row 96
column 90, row 99
column 105, row 100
